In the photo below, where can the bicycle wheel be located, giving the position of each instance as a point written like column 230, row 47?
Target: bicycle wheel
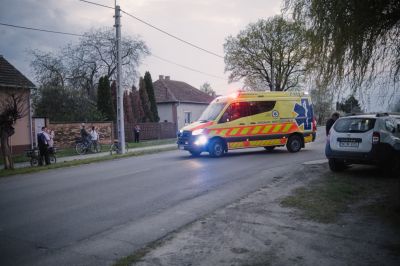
column 98, row 147
column 114, row 148
column 80, row 148
column 93, row 147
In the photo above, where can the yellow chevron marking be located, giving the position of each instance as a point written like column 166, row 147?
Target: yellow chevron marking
column 213, row 132
column 276, row 128
column 256, row 129
column 223, row 132
column 244, row 130
column 308, row 139
column 266, row 129
column 287, row 127
column 234, row 131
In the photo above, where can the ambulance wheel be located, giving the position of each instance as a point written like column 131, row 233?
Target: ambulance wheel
column 195, row 153
column 216, row 148
column 294, row 143
column 269, row 148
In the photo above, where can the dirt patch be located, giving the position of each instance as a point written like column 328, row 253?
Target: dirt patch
column 361, row 228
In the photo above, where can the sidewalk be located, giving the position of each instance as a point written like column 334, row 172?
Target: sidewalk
column 100, row 154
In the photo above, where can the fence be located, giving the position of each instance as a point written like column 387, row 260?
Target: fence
column 148, row 131
column 66, row 133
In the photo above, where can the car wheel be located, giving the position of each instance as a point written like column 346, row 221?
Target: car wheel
column 269, row 148
column 294, row 143
column 336, row 165
column 195, row 153
column 216, row 148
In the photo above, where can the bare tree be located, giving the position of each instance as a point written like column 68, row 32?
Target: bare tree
column 12, row 108
column 80, row 66
column 272, row 52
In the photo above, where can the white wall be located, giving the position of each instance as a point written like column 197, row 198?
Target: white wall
column 165, row 112
column 195, row 109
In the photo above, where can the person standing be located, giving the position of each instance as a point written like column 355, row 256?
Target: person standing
column 331, row 121
column 94, row 136
column 85, row 135
column 43, row 144
column 136, row 131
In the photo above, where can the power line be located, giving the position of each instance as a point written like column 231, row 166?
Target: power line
column 43, row 30
column 171, row 35
column 158, row 29
column 186, row 67
column 97, row 4
column 81, row 35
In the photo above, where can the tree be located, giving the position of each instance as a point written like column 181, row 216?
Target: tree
column 206, row 87
column 352, row 37
column 105, row 103
column 11, row 109
column 81, row 65
column 152, row 99
column 350, row 105
column 63, row 104
column 273, row 51
column 144, row 98
column 137, row 107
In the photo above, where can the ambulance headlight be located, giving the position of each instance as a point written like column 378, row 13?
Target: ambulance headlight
column 201, row 140
column 197, row 132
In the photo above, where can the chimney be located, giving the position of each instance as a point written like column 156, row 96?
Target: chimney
column 167, row 77
column 160, row 77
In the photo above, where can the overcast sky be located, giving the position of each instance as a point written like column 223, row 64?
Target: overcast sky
column 205, row 23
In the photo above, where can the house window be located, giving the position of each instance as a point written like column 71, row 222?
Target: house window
column 188, row 118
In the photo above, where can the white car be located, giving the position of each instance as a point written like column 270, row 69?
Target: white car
column 364, row 139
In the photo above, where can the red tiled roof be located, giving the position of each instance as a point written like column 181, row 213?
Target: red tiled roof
column 10, row 77
column 177, row 91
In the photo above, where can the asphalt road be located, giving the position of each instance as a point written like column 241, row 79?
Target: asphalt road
column 94, row 214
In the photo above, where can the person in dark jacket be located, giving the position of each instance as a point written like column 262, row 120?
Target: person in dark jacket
column 331, row 121
column 43, row 144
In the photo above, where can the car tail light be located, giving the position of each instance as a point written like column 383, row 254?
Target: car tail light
column 376, row 137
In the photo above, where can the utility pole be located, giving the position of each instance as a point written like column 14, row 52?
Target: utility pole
column 120, row 99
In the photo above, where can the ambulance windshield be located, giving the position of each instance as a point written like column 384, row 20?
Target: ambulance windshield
column 212, row 111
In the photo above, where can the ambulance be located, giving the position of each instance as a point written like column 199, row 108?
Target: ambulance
column 249, row 120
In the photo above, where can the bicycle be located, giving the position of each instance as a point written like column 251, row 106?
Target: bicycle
column 114, row 148
column 82, row 147
column 33, row 154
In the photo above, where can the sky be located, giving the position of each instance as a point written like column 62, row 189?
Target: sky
column 205, row 23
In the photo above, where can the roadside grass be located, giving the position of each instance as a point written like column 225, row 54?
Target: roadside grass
column 64, row 152
column 18, row 171
column 138, row 255
column 324, row 199
column 331, row 194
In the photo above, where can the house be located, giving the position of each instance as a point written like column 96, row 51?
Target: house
column 178, row 102
column 13, row 81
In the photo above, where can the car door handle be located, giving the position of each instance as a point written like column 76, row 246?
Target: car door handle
column 253, row 123
column 242, row 124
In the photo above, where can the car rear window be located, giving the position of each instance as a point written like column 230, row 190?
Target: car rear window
column 347, row 125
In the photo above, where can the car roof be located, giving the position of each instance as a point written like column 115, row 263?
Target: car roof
column 378, row 115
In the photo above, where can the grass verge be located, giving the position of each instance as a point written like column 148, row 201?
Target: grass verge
column 64, row 152
column 325, row 198
column 28, row 170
